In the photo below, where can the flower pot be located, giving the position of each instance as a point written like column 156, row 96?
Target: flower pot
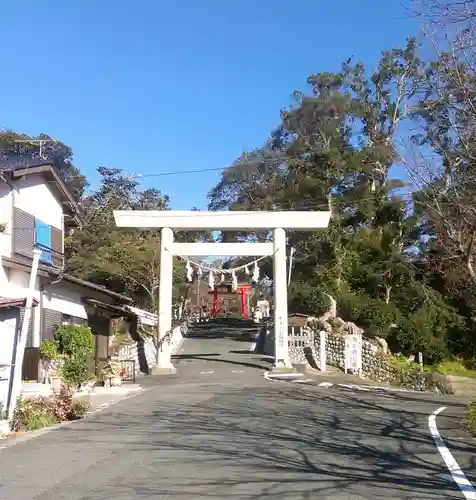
column 115, row 381
column 56, row 384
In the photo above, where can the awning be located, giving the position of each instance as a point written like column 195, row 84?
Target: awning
column 116, row 311
column 14, row 302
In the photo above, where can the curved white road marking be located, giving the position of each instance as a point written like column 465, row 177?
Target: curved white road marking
column 457, row 474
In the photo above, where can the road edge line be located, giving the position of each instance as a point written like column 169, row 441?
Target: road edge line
column 452, row 465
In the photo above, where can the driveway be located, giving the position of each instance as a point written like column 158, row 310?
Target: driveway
column 220, row 430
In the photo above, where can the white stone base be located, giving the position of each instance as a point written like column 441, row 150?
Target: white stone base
column 164, row 370
column 4, row 427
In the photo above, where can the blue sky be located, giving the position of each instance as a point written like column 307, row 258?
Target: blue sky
column 154, row 86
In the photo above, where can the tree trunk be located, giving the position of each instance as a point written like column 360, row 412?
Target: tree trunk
column 333, row 306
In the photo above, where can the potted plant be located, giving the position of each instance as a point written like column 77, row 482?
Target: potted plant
column 50, row 357
column 111, row 374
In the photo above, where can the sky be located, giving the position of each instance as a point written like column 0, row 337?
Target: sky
column 156, row 86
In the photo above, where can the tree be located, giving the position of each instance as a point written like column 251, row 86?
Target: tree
column 13, row 144
column 126, row 261
column 334, row 150
column 447, row 178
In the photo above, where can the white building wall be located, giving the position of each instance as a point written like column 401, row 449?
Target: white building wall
column 17, row 287
column 34, row 196
column 4, row 276
column 65, row 300
column 6, row 203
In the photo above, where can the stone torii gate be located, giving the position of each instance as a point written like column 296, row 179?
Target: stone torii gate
column 188, row 220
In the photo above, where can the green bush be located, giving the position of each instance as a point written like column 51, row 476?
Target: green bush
column 49, row 350
column 407, row 374
column 38, row 422
column 373, row 315
column 75, row 341
column 75, row 371
column 470, row 420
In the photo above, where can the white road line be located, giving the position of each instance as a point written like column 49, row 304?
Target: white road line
column 207, row 373
column 283, row 377
column 456, row 473
column 237, row 371
column 297, row 379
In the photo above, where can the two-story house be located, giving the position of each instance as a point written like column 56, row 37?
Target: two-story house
column 36, row 208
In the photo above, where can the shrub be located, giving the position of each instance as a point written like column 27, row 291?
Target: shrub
column 373, row 315
column 75, row 371
column 75, row 341
column 470, row 420
column 78, row 409
column 37, row 412
column 49, row 350
column 38, row 422
column 407, row 374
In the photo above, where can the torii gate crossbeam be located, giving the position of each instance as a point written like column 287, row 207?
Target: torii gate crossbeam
column 191, row 220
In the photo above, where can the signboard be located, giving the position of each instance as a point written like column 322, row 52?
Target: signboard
column 281, row 333
column 353, row 353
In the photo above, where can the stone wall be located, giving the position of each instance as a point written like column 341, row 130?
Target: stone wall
column 376, row 363
column 144, row 352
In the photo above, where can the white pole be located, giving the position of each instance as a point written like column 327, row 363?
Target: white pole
column 291, row 254
column 280, row 299
column 20, row 340
column 322, row 350
column 165, row 295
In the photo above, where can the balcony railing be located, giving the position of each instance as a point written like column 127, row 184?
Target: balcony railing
column 49, row 256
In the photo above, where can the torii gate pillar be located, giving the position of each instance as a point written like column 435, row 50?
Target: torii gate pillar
column 281, row 355
column 163, row 361
column 226, row 221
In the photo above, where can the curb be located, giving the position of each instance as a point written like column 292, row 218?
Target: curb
column 13, row 441
column 309, row 381
column 284, row 377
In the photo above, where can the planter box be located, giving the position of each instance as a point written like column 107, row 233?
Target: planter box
column 115, row 381
column 4, row 427
column 56, row 384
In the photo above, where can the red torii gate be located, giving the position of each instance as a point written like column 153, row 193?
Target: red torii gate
column 243, row 289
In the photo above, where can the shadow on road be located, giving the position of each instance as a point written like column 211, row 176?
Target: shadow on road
column 282, row 442
column 239, row 330
column 214, row 359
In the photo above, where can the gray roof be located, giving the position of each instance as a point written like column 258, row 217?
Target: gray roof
column 10, row 163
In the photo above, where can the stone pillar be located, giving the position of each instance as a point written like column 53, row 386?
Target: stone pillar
column 281, row 355
column 322, row 350
column 165, row 299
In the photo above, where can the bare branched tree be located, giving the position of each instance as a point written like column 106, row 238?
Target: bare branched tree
column 444, row 167
column 443, row 13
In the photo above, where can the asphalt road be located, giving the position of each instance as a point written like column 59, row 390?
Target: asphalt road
column 220, row 430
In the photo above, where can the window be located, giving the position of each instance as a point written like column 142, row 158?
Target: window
column 73, row 320
column 43, row 241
